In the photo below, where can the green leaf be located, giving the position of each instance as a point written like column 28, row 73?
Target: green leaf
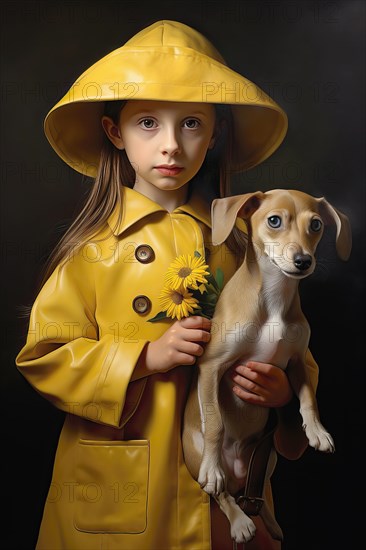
column 158, row 317
column 197, row 254
column 209, row 299
column 211, row 289
column 212, row 281
column 219, row 275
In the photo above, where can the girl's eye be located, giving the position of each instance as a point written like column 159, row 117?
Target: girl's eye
column 316, row 225
column 274, row 221
column 148, row 123
column 191, row 123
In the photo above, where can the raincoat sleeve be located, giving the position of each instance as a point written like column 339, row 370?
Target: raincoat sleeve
column 66, row 358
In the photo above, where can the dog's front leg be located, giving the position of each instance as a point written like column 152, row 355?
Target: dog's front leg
column 211, row 476
column 242, row 528
column 317, row 435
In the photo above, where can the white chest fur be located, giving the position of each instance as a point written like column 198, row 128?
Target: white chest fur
column 272, row 336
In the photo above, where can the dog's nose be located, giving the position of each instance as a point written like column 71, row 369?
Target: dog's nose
column 302, row 261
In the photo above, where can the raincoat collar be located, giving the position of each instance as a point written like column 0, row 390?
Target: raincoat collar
column 136, row 207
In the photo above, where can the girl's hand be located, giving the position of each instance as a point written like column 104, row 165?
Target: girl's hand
column 261, row 384
column 181, row 344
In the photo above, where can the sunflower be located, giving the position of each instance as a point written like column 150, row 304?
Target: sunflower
column 177, row 303
column 187, row 271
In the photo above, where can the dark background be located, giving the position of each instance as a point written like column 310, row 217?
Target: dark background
column 309, row 56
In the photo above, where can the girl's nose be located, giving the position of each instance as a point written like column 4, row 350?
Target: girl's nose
column 170, row 143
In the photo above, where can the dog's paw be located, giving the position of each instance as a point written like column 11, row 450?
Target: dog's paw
column 211, row 479
column 242, row 529
column 319, row 438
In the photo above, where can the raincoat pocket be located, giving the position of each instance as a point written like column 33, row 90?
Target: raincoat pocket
column 112, row 486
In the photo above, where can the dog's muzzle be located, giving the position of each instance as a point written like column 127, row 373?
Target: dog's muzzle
column 302, row 262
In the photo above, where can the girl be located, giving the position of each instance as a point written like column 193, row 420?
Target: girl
column 159, row 123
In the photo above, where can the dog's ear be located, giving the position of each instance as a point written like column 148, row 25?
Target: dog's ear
column 344, row 233
column 225, row 211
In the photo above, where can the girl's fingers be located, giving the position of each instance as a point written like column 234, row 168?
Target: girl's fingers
column 191, row 348
column 248, row 396
column 247, row 373
column 193, row 329
column 262, row 383
column 194, row 335
column 187, row 356
column 185, row 359
column 244, row 383
column 195, row 321
column 260, row 368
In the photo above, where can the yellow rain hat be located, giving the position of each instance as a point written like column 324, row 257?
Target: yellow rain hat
column 166, row 61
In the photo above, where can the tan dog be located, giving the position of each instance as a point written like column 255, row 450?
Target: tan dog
column 258, row 317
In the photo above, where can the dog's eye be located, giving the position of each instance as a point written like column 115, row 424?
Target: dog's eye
column 274, row 221
column 316, row 225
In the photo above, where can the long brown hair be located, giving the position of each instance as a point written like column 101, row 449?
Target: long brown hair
column 115, row 172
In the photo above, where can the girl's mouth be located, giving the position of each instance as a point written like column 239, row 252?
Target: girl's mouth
column 167, row 170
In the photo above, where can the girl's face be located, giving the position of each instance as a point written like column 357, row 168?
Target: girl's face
column 165, row 142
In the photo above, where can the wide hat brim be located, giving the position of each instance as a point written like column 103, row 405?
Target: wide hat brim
column 172, row 62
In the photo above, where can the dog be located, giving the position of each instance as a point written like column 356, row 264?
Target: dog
column 284, row 228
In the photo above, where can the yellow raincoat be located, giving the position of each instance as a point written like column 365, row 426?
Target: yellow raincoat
column 119, row 479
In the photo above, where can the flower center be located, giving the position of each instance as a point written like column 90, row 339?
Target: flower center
column 177, row 298
column 184, row 272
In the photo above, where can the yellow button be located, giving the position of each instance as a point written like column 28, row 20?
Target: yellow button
column 141, row 304
column 144, row 254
